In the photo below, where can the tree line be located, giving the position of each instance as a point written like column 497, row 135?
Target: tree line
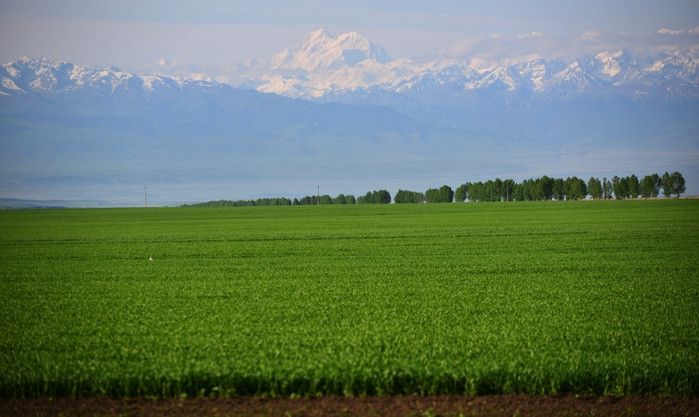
column 539, row 189
column 573, row 188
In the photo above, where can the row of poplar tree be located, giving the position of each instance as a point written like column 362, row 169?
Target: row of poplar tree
column 573, row 188
column 547, row 188
column 544, row 188
column 372, row 197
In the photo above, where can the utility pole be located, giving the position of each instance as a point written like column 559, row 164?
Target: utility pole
column 318, row 200
column 145, row 195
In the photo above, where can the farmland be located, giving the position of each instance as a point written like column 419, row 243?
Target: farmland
column 540, row 298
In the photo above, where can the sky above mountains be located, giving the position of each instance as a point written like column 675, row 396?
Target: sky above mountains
column 148, row 36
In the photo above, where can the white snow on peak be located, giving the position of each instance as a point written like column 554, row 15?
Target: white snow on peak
column 319, row 36
column 41, row 74
column 610, row 63
column 151, row 82
column 8, row 84
column 656, row 67
column 497, row 76
column 322, row 64
column 320, row 51
column 12, row 70
column 482, row 66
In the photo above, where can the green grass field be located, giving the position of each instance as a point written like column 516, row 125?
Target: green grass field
column 593, row 297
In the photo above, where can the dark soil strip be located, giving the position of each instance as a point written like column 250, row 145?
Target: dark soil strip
column 495, row 405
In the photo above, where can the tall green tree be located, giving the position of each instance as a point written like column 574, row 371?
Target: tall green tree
column 442, row 195
column 447, row 193
column 517, row 192
column 678, row 184
column 340, row 199
column 559, row 189
column 634, row 186
column 375, row 197
column 532, row 190
column 607, row 188
column 491, row 191
column 650, row 185
column 475, row 191
column 461, row 193
column 498, row 192
column 666, row 183
column 546, row 187
column 401, row 197
column 621, row 188
column 379, row 197
column 507, row 189
column 405, row 196
column 576, row 188
column 615, row 184
column 594, row 188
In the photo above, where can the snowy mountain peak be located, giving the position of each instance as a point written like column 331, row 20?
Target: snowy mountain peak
column 358, row 48
column 320, row 51
column 320, row 36
column 29, row 73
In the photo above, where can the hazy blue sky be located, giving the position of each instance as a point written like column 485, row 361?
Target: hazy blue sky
column 134, row 35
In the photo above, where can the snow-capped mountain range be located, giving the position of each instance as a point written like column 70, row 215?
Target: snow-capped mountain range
column 366, row 117
column 44, row 76
column 322, row 66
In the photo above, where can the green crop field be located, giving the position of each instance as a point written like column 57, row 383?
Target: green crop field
column 592, row 297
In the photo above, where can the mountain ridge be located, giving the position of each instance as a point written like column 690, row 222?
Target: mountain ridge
column 322, row 65
column 314, row 67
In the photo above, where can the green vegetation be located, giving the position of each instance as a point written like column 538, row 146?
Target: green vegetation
column 406, row 196
column 442, row 195
column 540, row 189
column 572, row 188
column 594, row 297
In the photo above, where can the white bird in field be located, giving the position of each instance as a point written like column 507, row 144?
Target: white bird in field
column 151, row 257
